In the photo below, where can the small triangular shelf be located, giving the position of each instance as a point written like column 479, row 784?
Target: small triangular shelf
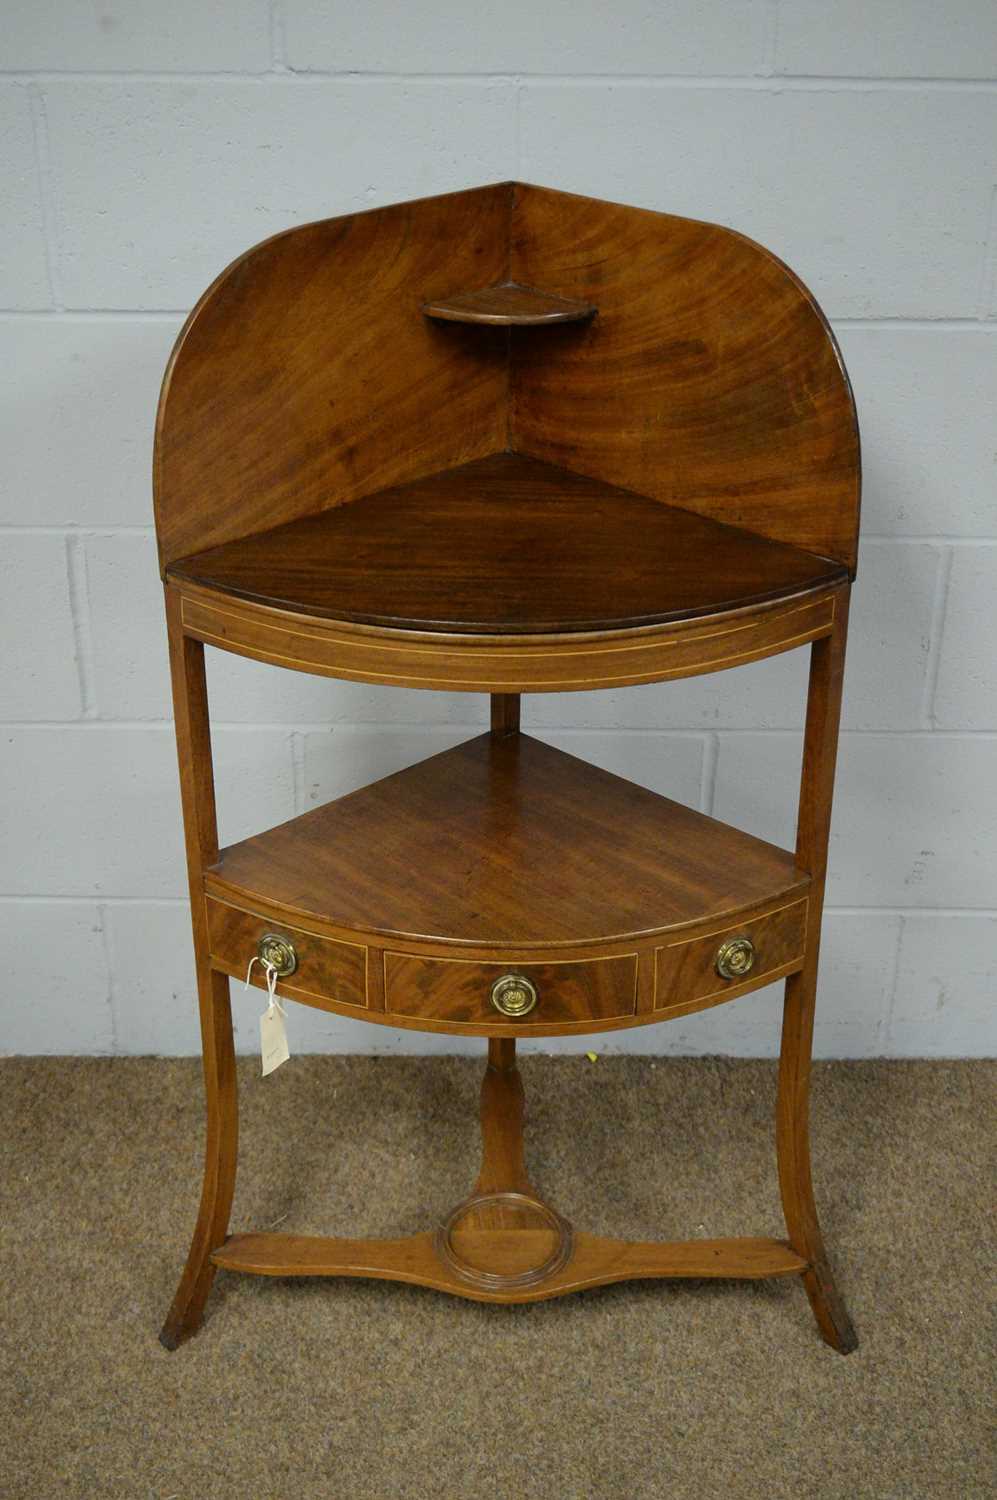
column 508, row 305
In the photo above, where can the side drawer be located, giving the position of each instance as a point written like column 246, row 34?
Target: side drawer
column 326, row 969
column 460, row 991
column 687, row 971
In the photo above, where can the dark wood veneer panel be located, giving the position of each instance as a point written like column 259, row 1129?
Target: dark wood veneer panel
column 325, row 967
column 459, row 993
column 686, row 969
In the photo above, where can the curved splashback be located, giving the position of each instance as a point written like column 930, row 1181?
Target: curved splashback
column 309, row 375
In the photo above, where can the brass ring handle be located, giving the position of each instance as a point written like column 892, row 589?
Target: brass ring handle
column 277, row 953
column 514, row 995
column 735, row 958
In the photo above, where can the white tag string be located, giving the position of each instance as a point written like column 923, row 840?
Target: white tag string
column 274, row 998
column 271, row 974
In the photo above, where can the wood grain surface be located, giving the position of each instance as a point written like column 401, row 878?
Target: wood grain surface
column 188, row 681
column 326, row 969
column 504, row 545
column 820, row 753
column 504, row 664
column 348, row 486
column 509, row 305
column 307, row 374
column 709, row 379
column 596, row 1261
column 686, row 969
column 508, row 843
column 459, row 991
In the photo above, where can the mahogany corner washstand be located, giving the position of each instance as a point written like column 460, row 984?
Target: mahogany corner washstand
column 507, row 441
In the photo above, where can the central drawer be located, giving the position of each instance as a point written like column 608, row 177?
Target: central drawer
column 465, row 992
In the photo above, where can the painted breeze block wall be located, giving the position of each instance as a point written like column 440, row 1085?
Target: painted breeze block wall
column 146, row 146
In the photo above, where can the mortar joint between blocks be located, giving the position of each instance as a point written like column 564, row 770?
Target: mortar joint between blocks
column 278, row 38
column 937, row 633
column 79, row 607
column 987, row 305
column 107, row 947
column 297, row 744
column 891, row 999
column 46, row 193
column 708, row 786
column 772, row 38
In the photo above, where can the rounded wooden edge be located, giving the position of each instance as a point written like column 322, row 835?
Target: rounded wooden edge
column 810, row 298
column 525, row 1030
column 423, row 635
column 441, row 314
column 643, row 948
column 498, row 1281
column 576, row 661
column 473, row 307
column 417, row 945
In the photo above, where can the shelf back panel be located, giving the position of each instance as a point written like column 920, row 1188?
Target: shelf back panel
column 709, row 378
column 307, row 375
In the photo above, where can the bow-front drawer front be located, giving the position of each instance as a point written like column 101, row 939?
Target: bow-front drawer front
column 469, row 993
column 309, row 968
column 732, row 961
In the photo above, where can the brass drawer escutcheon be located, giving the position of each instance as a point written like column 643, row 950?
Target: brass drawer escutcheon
column 735, row 958
column 277, row 953
column 514, row 995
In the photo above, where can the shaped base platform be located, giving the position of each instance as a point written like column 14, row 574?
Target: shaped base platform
column 504, row 1243
column 595, row 1260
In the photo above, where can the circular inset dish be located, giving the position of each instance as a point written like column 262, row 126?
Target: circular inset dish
column 500, row 1241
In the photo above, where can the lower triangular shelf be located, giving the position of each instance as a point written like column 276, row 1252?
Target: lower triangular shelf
column 506, row 841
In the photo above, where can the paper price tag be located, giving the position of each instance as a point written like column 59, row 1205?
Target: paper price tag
column 273, row 1033
column 273, row 1037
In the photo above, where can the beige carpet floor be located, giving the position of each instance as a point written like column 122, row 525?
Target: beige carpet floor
column 298, row 1389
